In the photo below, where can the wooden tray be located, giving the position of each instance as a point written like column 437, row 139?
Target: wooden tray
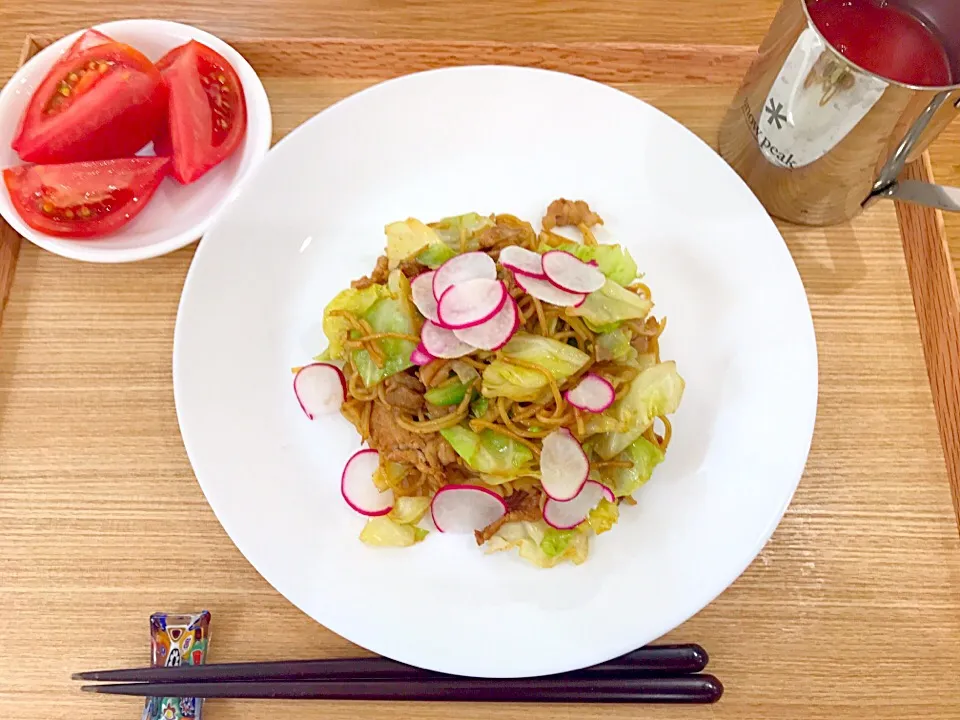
column 851, row 611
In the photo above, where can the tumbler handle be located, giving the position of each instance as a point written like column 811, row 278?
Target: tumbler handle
column 887, row 185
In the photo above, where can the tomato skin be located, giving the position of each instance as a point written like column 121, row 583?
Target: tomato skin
column 89, row 39
column 85, row 199
column 207, row 115
column 168, row 59
column 104, row 115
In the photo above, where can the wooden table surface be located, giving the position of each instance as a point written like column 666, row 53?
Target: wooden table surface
column 791, row 597
column 730, row 22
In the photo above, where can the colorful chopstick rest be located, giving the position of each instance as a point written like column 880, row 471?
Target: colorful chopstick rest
column 177, row 639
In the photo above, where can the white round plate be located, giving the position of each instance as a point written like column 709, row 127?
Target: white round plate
column 177, row 214
column 510, row 140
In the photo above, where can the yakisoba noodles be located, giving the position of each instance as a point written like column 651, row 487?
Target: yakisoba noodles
column 506, row 382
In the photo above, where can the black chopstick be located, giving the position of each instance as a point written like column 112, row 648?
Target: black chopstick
column 662, row 659
column 558, row 689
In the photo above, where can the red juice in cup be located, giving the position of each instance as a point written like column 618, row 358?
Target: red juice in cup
column 883, row 38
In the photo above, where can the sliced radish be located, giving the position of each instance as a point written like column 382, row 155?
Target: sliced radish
column 468, row 266
column 358, row 488
column 465, row 508
column 441, row 342
column 523, row 261
column 471, row 302
column 563, row 465
column 420, row 356
column 564, row 515
column 320, row 388
column 495, row 332
column 592, row 393
column 548, row 292
column 570, row 273
column 421, row 290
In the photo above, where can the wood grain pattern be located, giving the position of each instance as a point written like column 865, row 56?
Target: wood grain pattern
column 850, row 611
column 605, row 62
column 9, row 240
column 734, row 22
column 937, row 301
column 9, row 254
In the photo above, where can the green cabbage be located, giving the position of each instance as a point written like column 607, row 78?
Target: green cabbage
column 450, row 393
column 604, row 516
column 411, row 237
column 613, row 261
column 383, row 532
column 655, row 391
column 407, row 238
column 613, row 345
column 461, row 231
column 555, row 542
column 645, row 456
column 596, row 424
column 490, row 452
column 433, row 256
column 409, row 510
column 606, row 308
column 503, row 378
column 387, row 316
column 479, row 406
column 387, row 309
column 336, row 328
column 527, row 538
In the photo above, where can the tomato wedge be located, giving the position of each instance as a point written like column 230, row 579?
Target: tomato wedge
column 85, row 199
column 89, row 39
column 207, row 115
column 103, row 102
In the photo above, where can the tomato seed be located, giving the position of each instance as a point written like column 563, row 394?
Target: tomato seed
column 73, row 77
column 65, row 90
column 84, row 211
column 48, row 208
column 68, row 214
column 92, row 65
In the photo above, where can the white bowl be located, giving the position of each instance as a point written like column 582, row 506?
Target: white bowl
column 177, row 214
